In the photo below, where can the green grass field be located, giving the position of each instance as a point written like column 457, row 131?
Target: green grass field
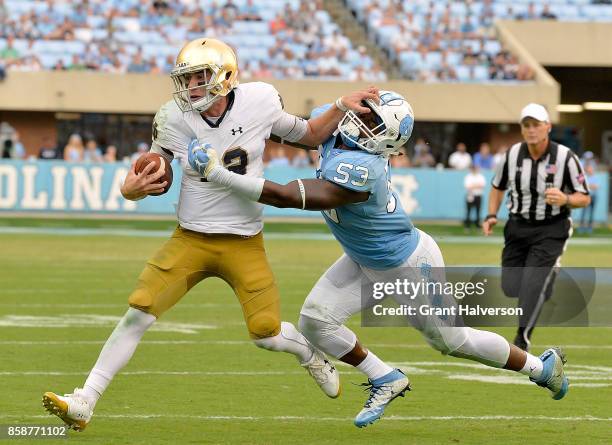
column 197, row 379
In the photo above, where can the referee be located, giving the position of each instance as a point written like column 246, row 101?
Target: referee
column 545, row 180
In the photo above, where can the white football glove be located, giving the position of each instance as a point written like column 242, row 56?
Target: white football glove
column 202, row 158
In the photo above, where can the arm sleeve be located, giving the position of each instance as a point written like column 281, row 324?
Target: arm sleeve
column 500, row 180
column 351, row 173
column 289, row 127
column 574, row 178
column 286, row 126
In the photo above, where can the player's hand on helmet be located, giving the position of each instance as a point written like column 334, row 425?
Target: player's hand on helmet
column 487, row 225
column 138, row 185
column 202, row 157
column 353, row 101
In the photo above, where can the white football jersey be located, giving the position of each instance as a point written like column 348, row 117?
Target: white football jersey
column 239, row 138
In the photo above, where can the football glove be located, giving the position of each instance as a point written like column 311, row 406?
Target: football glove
column 202, row 158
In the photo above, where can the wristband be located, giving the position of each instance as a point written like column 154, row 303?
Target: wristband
column 567, row 199
column 489, row 216
column 340, row 106
column 302, row 193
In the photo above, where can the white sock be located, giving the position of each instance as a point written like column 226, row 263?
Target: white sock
column 373, row 367
column 533, row 366
column 116, row 352
column 288, row 340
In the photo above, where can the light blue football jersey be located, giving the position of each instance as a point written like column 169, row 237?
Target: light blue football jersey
column 376, row 233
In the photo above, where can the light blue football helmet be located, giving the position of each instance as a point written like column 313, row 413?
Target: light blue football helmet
column 386, row 131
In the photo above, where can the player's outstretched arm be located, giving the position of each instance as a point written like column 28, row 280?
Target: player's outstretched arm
column 309, row 194
column 320, row 128
column 137, row 186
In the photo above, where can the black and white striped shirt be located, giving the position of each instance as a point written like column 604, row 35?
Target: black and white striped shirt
column 528, row 179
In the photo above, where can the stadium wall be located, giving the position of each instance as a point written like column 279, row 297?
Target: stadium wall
column 44, row 186
column 576, row 44
column 53, row 91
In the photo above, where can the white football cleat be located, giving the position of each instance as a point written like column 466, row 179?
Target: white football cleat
column 324, row 373
column 73, row 409
column 382, row 392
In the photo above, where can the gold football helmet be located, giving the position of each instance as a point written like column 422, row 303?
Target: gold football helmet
column 205, row 70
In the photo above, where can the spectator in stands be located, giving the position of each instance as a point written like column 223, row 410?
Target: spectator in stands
column 589, row 210
column 547, row 14
column 499, row 155
column 336, row 42
column 19, row 151
column 76, row 64
column 588, row 158
column 530, row 14
column 400, row 161
column 92, row 153
column 422, row 154
column 9, row 53
column 483, row 159
column 48, row 150
column 277, row 24
column 138, row 64
column 279, row 158
column 249, row 12
column 300, row 160
column 402, row 41
column 474, row 184
column 487, row 13
column 6, row 151
column 73, row 151
column 231, row 10
column 141, row 149
column 110, row 154
column 59, row 66
column 460, row 159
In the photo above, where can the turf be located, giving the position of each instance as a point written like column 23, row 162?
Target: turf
column 212, row 386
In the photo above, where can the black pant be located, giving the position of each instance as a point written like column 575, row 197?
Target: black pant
column 474, row 205
column 530, row 252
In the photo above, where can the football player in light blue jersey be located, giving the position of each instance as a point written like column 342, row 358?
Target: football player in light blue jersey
column 381, row 245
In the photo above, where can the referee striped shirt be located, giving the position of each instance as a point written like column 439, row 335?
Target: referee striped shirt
column 527, row 179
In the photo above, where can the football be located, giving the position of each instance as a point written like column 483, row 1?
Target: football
column 160, row 162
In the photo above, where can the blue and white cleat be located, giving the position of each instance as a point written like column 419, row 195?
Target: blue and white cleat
column 382, row 392
column 553, row 376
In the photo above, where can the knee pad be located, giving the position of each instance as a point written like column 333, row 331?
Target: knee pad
column 335, row 340
column 263, row 325
column 445, row 339
column 485, row 347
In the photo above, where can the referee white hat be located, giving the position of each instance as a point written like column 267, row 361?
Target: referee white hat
column 535, row 111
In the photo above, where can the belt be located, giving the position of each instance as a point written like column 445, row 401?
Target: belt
column 539, row 222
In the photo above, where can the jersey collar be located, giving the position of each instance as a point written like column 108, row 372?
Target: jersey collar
column 230, row 103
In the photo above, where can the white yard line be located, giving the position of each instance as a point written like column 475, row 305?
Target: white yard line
column 325, row 419
column 68, row 231
column 239, row 343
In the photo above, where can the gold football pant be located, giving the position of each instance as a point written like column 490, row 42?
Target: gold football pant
column 189, row 257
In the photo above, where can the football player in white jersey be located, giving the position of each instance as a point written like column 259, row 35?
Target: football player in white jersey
column 219, row 231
